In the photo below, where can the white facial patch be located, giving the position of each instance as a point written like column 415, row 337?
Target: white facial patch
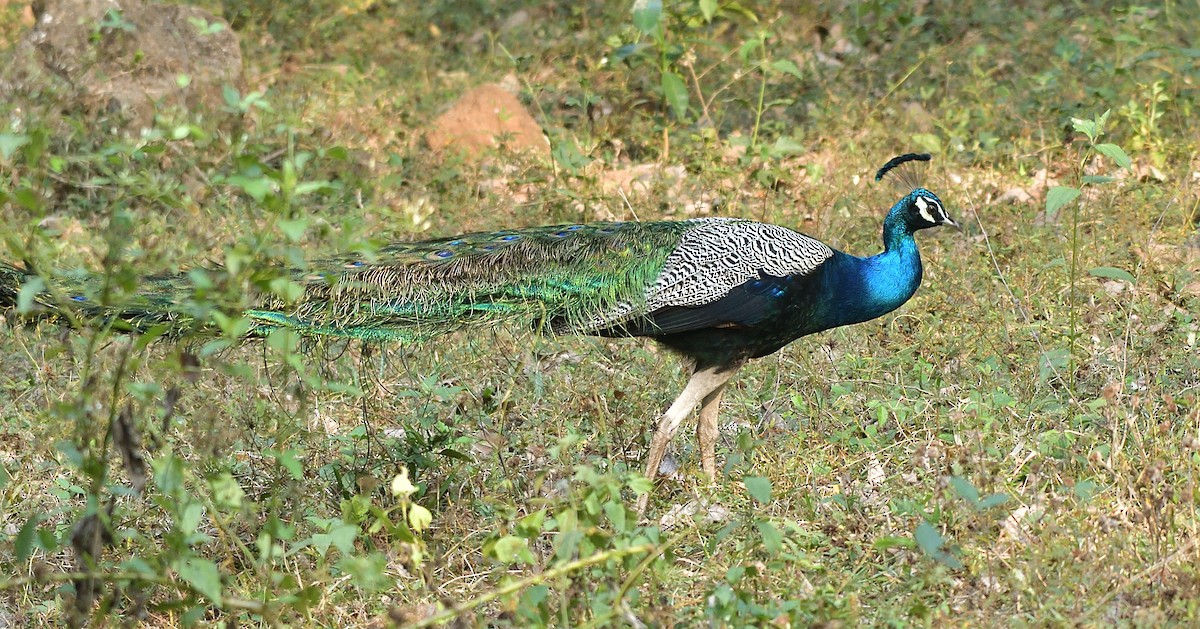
column 923, row 209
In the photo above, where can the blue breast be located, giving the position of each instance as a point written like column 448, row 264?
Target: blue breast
column 861, row 289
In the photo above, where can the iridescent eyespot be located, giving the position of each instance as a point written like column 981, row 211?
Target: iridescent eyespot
column 79, row 298
column 354, row 265
column 456, row 242
column 441, row 255
column 510, row 237
column 574, row 228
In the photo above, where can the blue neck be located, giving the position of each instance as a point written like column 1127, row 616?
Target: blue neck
column 871, row 287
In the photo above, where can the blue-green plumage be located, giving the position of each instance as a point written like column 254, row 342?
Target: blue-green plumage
column 766, row 313
column 719, row 291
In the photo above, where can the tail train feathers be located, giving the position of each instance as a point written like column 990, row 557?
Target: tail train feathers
column 570, row 278
column 79, row 296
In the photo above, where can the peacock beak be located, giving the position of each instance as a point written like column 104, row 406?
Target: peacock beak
column 946, row 220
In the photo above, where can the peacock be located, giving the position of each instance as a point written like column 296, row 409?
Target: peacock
column 717, row 291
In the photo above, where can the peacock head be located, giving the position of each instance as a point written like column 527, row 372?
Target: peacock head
column 922, row 209
column 919, row 208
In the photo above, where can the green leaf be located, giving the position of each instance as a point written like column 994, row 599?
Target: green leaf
column 928, row 538
column 771, row 537
column 368, row 572
column 9, row 143
column 36, row 146
column 616, row 514
column 965, row 489
column 5, row 477
column 288, row 460
column 531, row 525
column 567, row 155
column 708, row 8
column 735, row 574
column 1115, row 153
column 341, row 536
column 786, row 146
column 309, row 187
column 1087, row 127
column 1112, row 273
column 419, row 518
column 646, row 15
column 742, row 10
column 28, row 198
column 1097, row 179
column 227, row 494
column 168, row 475
column 892, row 541
column 189, row 518
column 758, row 487
column 994, row 500
column 232, row 98
column 232, row 327
column 747, row 49
column 32, row 287
column 1085, row 489
column 511, row 549
column 203, row 576
column 23, row 545
column 1052, row 361
column 150, row 335
column 286, row 289
column 929, row 142
column 293, row 228
column 640, row 484
column 624, row 52
column 787, row 66
column 931, row 542
column 257, row 187
column 675, row 91
column 1059, row 196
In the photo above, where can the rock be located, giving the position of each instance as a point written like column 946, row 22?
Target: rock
column 642, row 178
column 127, row 57
column 487, row 117
column 1015, row 195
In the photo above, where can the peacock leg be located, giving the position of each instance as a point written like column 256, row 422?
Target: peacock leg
column 707, row 431
column 703, row 383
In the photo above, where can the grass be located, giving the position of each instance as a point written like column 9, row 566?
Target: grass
column 1018, row 445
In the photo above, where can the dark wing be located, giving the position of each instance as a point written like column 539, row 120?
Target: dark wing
column 742, row 306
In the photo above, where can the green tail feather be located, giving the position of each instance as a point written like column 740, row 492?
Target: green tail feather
column 571, row 278
column 76, row 298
